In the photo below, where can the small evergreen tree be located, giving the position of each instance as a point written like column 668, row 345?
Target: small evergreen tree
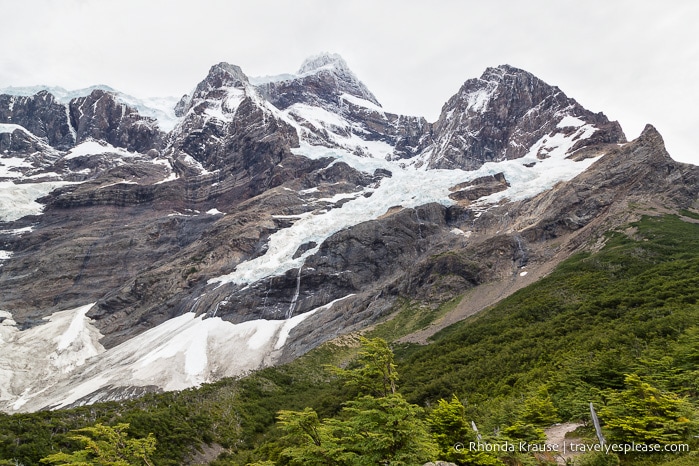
column 454, row 434
column 106, row 446
column 310, row 441
column 378, row 427
column 449, row 426
column 643, row 414
column 385, row 430
column 375, row 373
column 539, row 410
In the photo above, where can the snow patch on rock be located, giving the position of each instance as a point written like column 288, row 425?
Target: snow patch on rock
column 569, row 121
column 8, row 166
column 92, row 147
column 478, row 100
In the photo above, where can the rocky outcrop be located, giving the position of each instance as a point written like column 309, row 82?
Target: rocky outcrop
column 480, row 187
column 41, row 115
column 101, row 116
column 504, row 113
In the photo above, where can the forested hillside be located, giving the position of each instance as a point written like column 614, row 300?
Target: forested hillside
column 617, row 326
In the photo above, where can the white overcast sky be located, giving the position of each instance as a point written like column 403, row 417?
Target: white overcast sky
column 635, row 60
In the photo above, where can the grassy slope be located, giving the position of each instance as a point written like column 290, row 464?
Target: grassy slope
column 632, row 307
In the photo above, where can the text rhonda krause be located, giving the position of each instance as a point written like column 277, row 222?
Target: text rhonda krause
column 624, row 448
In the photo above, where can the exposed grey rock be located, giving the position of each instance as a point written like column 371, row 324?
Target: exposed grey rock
column 480, row 187
column 101, row 116
column 40, row 114
column 500, row 116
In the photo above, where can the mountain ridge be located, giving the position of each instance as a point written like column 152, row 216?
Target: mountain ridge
column 276, row 216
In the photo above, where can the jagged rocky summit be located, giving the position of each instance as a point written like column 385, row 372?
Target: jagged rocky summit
column 277, row 213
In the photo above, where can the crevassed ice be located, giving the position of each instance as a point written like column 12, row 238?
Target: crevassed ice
column 408, row 188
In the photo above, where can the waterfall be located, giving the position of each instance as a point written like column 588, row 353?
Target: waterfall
column 292, row 306
column 520, row 257
column 419, row 224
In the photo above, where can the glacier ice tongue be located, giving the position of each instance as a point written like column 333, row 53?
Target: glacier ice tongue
column 61, row 362
column 408, row 188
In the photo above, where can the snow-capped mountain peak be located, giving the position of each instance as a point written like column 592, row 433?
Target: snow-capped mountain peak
column 222, row 75
column 328, row 61
column 503, row 114
column 320, row 81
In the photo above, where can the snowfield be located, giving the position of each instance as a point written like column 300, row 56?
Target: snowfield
column 91, row 147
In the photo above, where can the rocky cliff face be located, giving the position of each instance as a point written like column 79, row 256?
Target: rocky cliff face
column 100, row 116
column 228, row 130
column 279, row 213
column 42, row 116
column 508, row 112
